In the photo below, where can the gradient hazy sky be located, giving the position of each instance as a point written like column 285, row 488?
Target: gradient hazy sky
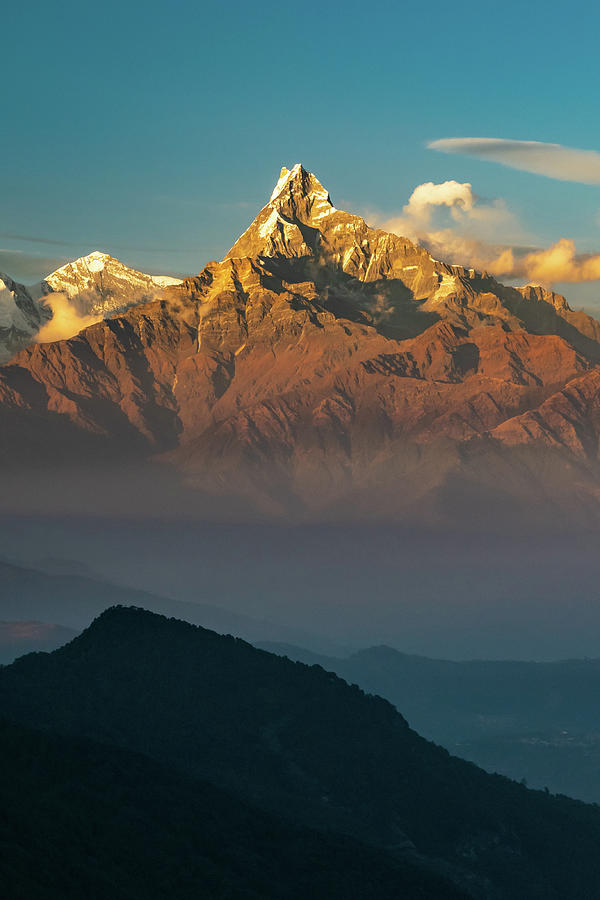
column 155, row 131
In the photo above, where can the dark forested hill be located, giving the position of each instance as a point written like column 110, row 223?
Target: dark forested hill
column 304, row 744
column 84, row 819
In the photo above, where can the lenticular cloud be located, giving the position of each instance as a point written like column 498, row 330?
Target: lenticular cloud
column 551, row 160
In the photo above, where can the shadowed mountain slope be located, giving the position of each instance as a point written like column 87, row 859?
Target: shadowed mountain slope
column 80, row 818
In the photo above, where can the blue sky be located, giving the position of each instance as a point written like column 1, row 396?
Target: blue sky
column 156, row 131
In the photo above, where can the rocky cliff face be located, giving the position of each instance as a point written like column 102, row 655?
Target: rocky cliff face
column 325, row 368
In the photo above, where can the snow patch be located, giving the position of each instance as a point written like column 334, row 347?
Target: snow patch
column 96, row 261
column 269, row 224
column 285, row 176
column 322, row 200
column 165, row 280
column 448, row 285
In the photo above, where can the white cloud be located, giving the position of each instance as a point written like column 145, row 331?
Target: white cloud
column 434, row 207
column 551, row 160
column 429, row 195
column 453, row 219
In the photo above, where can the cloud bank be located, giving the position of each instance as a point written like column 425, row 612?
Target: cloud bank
column 551, row 160
column 66, row 321
column 459, row 227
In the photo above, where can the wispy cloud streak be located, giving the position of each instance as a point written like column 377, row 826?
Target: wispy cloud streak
column 551, row 160
column 29, row 239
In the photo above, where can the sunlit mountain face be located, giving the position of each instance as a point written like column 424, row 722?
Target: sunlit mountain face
column 323, row 371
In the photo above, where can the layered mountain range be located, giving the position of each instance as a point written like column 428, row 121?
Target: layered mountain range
column 326, row 369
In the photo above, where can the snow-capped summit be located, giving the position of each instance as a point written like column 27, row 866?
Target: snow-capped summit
column 95, row 286
column 298, row 199
column 285, row 176
column 99, row 284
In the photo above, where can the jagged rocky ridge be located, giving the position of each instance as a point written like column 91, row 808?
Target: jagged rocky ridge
column 325, row 368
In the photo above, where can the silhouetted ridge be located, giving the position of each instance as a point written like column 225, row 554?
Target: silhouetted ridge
column 127, row 623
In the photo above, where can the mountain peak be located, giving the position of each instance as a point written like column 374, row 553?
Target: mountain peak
column 298, row 184
column 285, row 176
column 298, row 199
column 103, row 274
column 94, row 262
column 20, row 317
column 100, row 286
